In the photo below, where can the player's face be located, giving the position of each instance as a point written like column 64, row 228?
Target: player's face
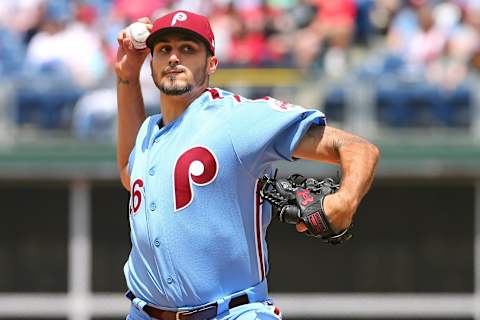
column 180, row 64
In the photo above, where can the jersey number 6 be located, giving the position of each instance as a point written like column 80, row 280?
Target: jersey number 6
column 136, row 197
column 196, row 165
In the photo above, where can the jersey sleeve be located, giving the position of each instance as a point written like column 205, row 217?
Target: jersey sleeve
column 266, row 130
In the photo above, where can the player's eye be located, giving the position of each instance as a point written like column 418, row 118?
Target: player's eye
column 187, row 49
column 164, row 49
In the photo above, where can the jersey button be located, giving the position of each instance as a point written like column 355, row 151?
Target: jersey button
column 151, row 171
column 153, row 206
column 169, row 280
column 156, row 243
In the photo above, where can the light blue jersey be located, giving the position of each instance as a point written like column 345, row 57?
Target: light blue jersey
column 197, row 225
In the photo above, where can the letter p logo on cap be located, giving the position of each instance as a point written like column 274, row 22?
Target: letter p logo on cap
column 185, row 20
column 179, row 16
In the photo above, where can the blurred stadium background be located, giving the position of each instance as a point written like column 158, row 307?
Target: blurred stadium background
column 403, row 73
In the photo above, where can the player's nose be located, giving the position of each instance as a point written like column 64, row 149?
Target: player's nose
column 173, row 59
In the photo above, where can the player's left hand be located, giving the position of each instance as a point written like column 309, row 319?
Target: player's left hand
column 300, row 201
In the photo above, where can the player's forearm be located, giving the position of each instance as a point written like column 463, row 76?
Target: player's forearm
column 356, row 156
column 358, row 160
column 131, row 114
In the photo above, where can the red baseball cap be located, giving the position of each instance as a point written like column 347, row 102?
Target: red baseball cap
column 183, row 20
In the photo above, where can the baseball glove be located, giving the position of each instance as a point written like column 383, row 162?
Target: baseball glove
column 296, row 199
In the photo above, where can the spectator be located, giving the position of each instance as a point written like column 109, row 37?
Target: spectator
column 428, row 42
column 224, row 22
column 461, row 47
column 330, row 34
column 62, row 60
column 22, row 17
column 12, row 52
column 429, row 87
column 69, row 41
column 432, row 45
column 128, row 12
column 249, row 42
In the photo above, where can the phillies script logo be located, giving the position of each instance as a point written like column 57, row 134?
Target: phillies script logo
column 305, row 195
column 197, row 165
column 281, row 106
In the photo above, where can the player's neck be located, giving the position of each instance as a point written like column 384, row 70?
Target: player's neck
column 172, row 107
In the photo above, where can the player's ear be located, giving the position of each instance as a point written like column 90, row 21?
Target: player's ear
column 212, row 63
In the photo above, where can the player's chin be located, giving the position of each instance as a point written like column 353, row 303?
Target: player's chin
column 175, row 89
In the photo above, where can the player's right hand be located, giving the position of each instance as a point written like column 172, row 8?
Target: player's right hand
column 130, row 60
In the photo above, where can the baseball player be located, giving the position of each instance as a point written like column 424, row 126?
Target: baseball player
column 197, row 223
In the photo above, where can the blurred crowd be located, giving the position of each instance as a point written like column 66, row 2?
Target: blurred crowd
column 58, row 55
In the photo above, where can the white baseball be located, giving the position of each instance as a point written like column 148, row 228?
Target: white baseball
column 138, row 33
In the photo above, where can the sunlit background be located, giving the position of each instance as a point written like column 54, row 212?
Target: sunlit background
column 404, row 74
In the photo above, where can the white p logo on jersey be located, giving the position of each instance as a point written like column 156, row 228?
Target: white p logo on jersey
column 180, row 16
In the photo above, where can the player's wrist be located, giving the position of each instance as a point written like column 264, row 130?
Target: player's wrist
column 130, row 73
column 127, row 80
column 339, row 208
column 349, row 200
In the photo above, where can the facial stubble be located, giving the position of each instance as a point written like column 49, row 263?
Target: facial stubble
column 177, row 90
